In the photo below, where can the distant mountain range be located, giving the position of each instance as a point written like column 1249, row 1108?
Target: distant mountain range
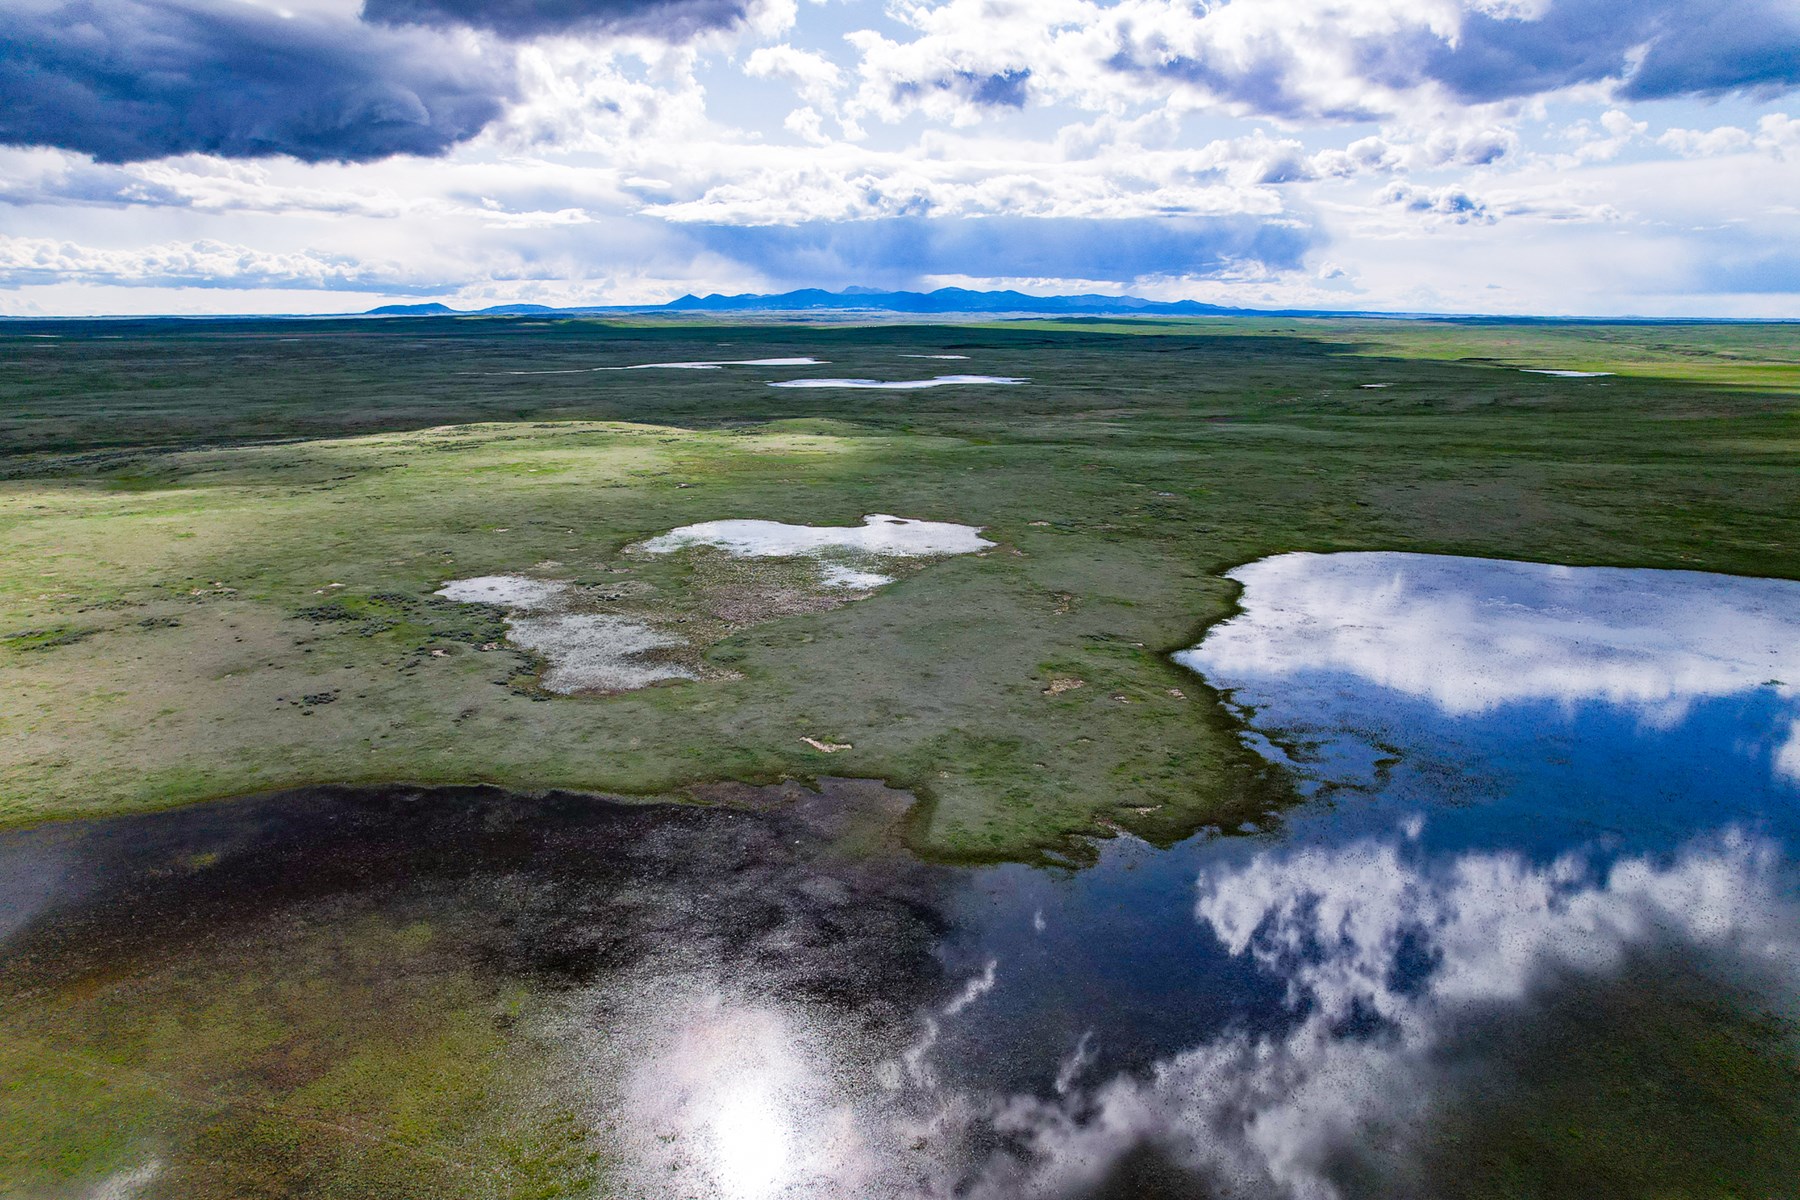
column 850, row 300
column 944, row 300
column 947, row 301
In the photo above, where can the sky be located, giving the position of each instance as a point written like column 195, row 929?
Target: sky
column 1588, row 157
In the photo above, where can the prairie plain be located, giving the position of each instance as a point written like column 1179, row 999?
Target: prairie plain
column 223, row 539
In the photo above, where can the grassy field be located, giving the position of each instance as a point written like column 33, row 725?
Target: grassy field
column 412, row 1081
column 177, row 501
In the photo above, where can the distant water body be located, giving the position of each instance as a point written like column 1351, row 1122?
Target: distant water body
column 1534, row 931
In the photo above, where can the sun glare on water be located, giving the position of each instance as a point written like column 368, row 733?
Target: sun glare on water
column 735, row 1103
column 751, row 1139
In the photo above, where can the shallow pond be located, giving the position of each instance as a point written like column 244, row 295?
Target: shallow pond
column 900, row 385
column 1533, row 933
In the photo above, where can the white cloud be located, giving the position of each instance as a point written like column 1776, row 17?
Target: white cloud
column 1449, row 203
column 808, row 125
column 1779, row 134
column 1694, row 143
column 1615, row 132
column 850, row 183
column 192, row 264
column 815, row 78
column 1355, row 60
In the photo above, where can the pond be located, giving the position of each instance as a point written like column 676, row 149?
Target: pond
column 1533, row 931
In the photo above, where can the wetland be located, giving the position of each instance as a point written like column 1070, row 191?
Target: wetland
column 1541, row 939
column 1225, row 776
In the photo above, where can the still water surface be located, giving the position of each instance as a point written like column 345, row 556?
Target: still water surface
column 1534, row 931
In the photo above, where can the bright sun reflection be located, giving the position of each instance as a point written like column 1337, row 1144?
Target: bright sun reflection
column 737, row 1106
column 751, row 1139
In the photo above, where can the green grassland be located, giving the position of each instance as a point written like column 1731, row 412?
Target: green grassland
column 177, row 501
column 349, row 1059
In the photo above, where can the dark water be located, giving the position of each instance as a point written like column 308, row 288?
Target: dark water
column 1536, row 933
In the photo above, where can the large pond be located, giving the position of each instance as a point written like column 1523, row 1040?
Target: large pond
column 1534, row 931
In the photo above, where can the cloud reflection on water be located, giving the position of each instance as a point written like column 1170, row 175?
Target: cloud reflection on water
column 1386, row 955
column 1390, row 954
column 1471, row 634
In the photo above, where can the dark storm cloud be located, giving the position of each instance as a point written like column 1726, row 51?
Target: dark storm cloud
column 671, row 20
column 1689, row 47
column 898, row 252
column 1723, row 47
column 125, row 80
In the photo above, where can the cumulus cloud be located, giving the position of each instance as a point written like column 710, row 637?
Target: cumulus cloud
column 646, row 106
column 953, row 91
column 1602, row 141
column 672, row 20
column 1212, row 183
column 814, row 76
column 964, row 60
column 210, row 185
column 1279, row 59
column 1696, row 143
column 1649, row 49
column 1450, row 202
column 1776, row 133
column 1779, row 134
column 126, row 80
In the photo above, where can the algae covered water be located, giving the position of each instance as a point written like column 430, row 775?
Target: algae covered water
column 1534, row 930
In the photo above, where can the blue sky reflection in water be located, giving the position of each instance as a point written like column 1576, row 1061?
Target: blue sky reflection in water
column 1538, row 793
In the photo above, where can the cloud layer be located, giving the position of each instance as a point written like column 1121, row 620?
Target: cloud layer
column 668, row 19
column 1488, row 155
